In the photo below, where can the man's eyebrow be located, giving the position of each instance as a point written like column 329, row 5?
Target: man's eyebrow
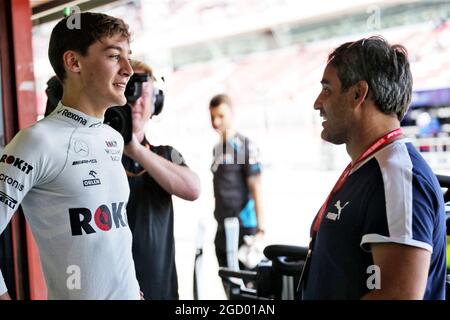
column 116, row 48
column 325, row 81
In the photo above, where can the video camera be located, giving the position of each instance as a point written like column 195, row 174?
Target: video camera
column 119, row 118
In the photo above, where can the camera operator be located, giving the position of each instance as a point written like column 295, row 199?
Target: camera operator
column 155, row 173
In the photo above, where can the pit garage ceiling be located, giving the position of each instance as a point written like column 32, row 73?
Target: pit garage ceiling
column 48, row 10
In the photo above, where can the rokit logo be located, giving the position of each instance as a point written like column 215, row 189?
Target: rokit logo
column 11, row 182
column 66, row 113
column 76, row 163
column 16, row 162
column 80, row 219
column 92, row 182
column 10, row 202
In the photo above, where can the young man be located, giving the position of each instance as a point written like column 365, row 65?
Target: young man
column 64, row 171
column 155, row 173
column 381, row 232
column 236, row 178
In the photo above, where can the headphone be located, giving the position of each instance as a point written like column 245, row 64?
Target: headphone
column 158, row 98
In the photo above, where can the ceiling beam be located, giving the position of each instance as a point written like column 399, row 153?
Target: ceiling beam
column 53, row 10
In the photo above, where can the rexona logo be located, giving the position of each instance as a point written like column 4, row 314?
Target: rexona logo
column 66, row 113
column 16, row 162
column 81, row 219
column 10, row 202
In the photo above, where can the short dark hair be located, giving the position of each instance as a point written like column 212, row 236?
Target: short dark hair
column 218, row 99
column 54, row 93
column 94, row 26
column 384, row 67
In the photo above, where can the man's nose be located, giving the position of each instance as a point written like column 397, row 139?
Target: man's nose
column 138, row 103
column 317, row 103
column 126, row 70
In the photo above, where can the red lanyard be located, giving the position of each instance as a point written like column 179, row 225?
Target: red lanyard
column 375, row 147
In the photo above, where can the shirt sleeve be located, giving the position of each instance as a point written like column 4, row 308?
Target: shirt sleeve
column 252, row 164
column 174, row 156
column 19, row 163
column 400, row 211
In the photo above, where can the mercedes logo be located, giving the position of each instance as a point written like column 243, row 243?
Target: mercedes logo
column 81, row 148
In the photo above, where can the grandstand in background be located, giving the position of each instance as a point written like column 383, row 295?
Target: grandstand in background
column 269, row 56
column 272, row 67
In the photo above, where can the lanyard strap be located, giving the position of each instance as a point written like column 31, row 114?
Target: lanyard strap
column 372, row 149
column 318, row 219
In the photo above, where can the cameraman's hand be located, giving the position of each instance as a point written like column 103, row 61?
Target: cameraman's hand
column 132, row 148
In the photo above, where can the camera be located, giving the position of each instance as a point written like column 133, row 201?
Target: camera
column 119, row 118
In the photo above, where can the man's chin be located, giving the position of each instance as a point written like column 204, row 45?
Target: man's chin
column 326, row 137
column 331, row 139
column 323, row 135
column 121, row 101
column 137, row 126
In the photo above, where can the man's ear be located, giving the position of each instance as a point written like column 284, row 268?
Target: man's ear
column 71, row 62
column 360, row 92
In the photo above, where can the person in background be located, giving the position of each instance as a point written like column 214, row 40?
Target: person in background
column 236, row 178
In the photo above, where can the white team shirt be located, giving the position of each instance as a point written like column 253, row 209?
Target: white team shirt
column 67, row 174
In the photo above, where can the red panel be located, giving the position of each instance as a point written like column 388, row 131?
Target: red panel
column 26, row 110
column 9, row 128
column 23, row 58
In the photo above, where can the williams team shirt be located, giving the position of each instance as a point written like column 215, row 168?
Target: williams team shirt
column 67, row 174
